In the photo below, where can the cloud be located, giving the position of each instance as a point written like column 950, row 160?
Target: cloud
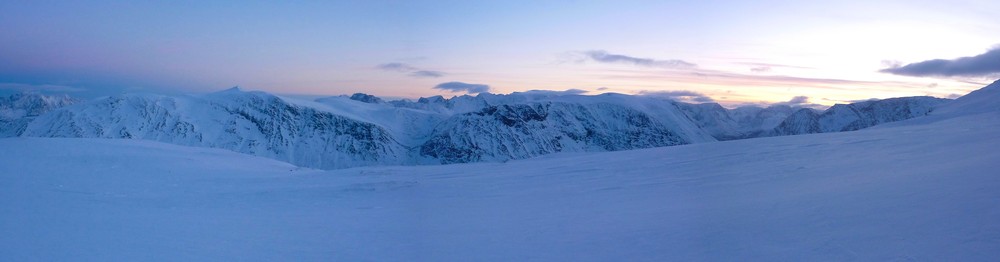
column 426, row 73
column 984, row 64
column 396, row 67
column 800, row 101
column 772, row 65
column 602, row 88
column 411, row 70
column 20, row 87
column 760, row 69
column 602, row 56
column 891, row 63
column 682, row 95
column 724, row 78
column 573, row 91
column 463, row 87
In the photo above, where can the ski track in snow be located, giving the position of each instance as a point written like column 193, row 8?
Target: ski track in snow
column 920, row 191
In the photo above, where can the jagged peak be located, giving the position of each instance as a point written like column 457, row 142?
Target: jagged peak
column 236, row 91
column 233, row 89
column 550, row 93
column 431, row 99
column 807, row 111
column 28, row 96
column 366, row 98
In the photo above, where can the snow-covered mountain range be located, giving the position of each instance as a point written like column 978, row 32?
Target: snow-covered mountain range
column 924, row 189
column 738, row 123
column 364, row 130
column 850, row 117
column 17, row 110
column 247, row 122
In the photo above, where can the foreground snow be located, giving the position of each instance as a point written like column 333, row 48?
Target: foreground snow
column 927, row 191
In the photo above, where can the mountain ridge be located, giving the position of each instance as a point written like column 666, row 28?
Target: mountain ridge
column 364, row 130
column 19, row 109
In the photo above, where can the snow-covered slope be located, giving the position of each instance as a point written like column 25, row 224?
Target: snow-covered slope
column 247, row 122
column 524, row 125
column 979, row 101
column 362, row 130
column 855, row 116
column 738, row 123
column 411, row 127
column 758, row 119
column 778, row 120
column 982, row 100
column 17, row 110
column 908, row 191
column 504, row 132
column 803, row 121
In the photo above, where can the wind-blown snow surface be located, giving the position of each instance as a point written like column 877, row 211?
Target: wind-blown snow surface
column 918, row 191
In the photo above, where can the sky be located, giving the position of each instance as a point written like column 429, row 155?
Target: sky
column 729, row 52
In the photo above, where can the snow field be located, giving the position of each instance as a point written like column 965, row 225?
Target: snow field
column 925, row 191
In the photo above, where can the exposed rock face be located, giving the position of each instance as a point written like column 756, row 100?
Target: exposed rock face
column 804, row 121
column 252, row 123
column 17, row 110
column 364, row 130
column 849, row 117
column 739, row 123
column 366, row 98
column 504, row 132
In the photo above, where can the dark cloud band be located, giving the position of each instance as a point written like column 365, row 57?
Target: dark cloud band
column 984, row 64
